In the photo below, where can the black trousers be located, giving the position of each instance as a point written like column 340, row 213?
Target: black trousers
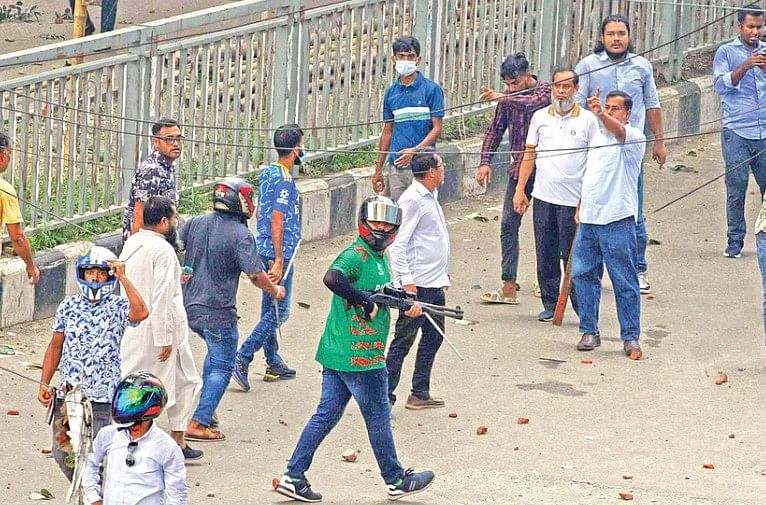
column 555, row 230
column 430, row 341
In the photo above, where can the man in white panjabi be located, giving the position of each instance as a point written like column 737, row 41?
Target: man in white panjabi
column 160, row 345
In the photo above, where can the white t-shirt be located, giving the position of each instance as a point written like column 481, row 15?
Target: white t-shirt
column 610, row 185
column 558, row 174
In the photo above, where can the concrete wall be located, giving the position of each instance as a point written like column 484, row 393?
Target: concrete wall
column 329, row 205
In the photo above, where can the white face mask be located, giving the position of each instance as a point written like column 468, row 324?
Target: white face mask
column 405, row 68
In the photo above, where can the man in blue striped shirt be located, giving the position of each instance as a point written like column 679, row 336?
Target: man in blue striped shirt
column 738, row 76
column 413, row 109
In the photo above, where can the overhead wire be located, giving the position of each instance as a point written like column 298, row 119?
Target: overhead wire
column 360, row 124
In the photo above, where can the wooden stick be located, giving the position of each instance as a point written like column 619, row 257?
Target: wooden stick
column 566, row 287
column 80, row 17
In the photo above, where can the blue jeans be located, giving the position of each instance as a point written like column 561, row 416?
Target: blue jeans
column 613, row 245
column 217, row 369
column 108, row 17
column 641, row 234
column 509, row 231
column 760, row 243
column 430, row 342
column 736, row 150
column 265, row 332
column 370, row 390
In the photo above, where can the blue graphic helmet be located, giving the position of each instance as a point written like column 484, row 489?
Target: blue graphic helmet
column 139, row 397
column 95, row 257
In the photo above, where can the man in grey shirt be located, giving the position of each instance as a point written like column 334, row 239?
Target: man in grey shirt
column 219, row 247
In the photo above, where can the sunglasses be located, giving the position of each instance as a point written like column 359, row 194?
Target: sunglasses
column 130, row 460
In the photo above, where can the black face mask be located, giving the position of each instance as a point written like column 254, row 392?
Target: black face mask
column 299, row 158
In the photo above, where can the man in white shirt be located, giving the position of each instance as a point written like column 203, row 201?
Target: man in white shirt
column 419, row 258
column 607, row 217
column 160, row 344
column 558, row 181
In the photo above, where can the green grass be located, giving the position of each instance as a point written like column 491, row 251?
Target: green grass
column 47, row 239
column 462, row 128
column 338, row 162
column 195, row 201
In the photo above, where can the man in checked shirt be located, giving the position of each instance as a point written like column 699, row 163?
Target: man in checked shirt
column 524, row 95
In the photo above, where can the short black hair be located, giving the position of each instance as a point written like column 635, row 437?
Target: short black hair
column 5, row 141
column 422, row 161
column 627, row 101
column 613, row 18
column 286, row 138
column 406, row 44
column 157, row 207
column 561, row 70
column 162, row 123
column 514, row 65
column 743, row 13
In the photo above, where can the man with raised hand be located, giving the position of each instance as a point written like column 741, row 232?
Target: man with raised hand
column 607, row 217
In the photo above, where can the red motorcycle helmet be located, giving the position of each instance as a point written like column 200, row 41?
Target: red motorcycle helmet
column 234, row 195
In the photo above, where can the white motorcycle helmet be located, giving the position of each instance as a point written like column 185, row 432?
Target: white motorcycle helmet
column 95, row 257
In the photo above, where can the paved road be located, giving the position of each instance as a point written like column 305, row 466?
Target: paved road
column 658, row 420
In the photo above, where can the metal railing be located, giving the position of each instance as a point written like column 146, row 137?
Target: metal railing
column 79, row 132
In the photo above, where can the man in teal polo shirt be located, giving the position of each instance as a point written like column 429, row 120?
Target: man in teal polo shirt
column 413, row 109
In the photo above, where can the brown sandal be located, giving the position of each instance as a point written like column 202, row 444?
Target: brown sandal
column 206, row 435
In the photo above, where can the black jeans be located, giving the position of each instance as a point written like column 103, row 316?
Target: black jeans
column 430, row 341
column 509, row 231
column 555, row 230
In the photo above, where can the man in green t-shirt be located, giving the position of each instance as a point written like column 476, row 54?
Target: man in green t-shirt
column 352, row 352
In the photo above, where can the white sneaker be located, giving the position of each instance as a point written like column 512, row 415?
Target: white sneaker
column 643, row 283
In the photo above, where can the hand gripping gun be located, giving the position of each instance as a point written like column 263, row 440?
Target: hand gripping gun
column 403, row 301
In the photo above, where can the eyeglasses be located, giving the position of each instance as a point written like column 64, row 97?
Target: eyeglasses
column 130, row 460
column 173, row 140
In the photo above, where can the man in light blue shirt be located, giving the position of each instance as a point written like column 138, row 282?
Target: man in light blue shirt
column 614, row 66
column 738, row 76
column 607, row 217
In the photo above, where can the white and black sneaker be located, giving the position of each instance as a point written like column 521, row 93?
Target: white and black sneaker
column 410, row 483
column 297, row 489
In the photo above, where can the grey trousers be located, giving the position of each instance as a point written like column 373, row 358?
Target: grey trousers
column 398, row 181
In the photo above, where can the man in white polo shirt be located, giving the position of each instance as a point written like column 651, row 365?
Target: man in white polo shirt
column 567, row 127
column 607, row 217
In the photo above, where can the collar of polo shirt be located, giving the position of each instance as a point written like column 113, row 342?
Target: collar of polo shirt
column 575, row 112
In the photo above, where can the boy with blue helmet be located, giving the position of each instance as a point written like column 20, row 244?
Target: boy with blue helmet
column 143, row 463
column 85, row 346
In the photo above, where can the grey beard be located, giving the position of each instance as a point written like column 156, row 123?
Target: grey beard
column 563, row 106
